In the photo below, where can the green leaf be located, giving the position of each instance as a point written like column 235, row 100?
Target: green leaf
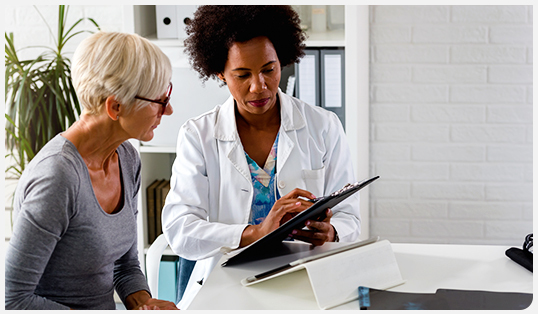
column 40, row 100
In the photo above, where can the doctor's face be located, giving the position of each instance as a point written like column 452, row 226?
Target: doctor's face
column 252, row 73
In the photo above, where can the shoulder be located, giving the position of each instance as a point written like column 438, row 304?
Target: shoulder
column 127, row 152
column 58, row 159
column 315, row 117
column 205, row 121
column 130, row 162
column 55, row 172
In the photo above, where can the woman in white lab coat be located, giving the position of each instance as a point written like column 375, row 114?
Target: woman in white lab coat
column 241, row 167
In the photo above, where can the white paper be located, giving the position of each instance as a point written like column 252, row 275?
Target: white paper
column 333, row 80
column 307, row 79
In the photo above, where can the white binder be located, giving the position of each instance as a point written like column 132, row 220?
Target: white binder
column 184, row 13
column 166, row 21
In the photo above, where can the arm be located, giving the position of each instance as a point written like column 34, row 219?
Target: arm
column 44, row 203
column 129, row 281
column 186, row 212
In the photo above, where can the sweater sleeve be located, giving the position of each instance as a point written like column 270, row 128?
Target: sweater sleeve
column 128, row 278
column 44, row 202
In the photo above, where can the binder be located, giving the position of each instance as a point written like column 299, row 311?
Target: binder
column 333, row 82
column 307, row 78
column 320, row 80
column 185, row 14
column 150, row 208
column 166, row 19
column 160, row 190
column 168, row 278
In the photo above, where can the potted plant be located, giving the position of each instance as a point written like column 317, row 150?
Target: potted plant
column 40, row 98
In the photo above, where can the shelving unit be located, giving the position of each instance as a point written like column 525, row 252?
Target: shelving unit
column 157, row 160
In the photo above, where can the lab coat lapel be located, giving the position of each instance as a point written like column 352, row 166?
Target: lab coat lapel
column 226, row 132
column 291, row 120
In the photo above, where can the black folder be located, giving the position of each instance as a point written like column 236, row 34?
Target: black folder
column 271, row 244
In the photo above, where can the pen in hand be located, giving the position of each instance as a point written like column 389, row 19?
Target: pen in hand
column 316, row 199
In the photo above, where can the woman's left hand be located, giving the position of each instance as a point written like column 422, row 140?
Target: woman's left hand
column 318, row 232
column 156, row 304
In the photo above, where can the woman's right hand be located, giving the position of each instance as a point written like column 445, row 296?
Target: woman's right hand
column 284, row 209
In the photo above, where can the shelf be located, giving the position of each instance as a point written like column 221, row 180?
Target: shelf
column 335, row 38
column 165, row 42
column 158, row 149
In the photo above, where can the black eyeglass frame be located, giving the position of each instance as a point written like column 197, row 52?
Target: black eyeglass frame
column 164, row 102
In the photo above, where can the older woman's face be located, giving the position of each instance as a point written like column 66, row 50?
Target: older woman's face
column 141, row 123
column 252, row 73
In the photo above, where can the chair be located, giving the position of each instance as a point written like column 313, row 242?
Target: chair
column 153, row 262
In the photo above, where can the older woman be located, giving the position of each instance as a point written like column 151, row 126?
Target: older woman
column 74, row 235
column 251, row 163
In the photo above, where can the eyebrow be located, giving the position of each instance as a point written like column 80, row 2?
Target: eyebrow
column 247, row 69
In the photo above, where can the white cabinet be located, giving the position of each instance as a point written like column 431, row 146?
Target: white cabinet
column 158, row 155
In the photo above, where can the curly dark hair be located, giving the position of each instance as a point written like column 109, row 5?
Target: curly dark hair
column 215, row 28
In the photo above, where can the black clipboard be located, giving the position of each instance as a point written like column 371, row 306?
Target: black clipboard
column 267, row 245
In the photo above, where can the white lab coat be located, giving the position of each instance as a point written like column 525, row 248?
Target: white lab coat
column 211, row 192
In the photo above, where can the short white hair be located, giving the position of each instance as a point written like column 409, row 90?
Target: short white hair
column 120, row 65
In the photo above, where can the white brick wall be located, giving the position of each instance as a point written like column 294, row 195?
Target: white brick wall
column 451, row 121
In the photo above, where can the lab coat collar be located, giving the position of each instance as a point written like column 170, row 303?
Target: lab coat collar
column 226, row 129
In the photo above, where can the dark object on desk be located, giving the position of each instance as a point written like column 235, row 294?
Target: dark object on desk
column 272, row 241
column 443, row 299
column 522, row 256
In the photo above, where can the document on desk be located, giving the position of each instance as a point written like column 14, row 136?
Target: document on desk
column 335, row 276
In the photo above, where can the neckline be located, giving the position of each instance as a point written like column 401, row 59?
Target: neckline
column 87, row 174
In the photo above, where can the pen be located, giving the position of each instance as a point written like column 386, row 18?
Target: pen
column 316, row 199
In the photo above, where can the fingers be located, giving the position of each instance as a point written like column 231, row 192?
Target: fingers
column 318, row 232
column 295, row 193
column 156, row 304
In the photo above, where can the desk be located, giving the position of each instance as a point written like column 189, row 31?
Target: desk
column 425, row 267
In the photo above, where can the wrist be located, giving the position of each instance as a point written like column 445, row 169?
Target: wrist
column 335, row 238
column 137, row 299
column 250, row 234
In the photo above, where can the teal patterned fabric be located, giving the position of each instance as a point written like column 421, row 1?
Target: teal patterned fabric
column 263, row 181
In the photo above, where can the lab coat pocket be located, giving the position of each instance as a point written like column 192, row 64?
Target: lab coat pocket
column 314, row 180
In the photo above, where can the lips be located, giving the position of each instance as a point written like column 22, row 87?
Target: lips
column 259, row 103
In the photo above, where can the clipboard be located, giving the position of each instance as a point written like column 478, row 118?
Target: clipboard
column 267, row 245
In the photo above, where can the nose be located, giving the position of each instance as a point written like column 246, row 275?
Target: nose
column 168, row 110
column 258, row 84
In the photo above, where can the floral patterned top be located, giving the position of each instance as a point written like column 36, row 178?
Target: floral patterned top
column 263, row 181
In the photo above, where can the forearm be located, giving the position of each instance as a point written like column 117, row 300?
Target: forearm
column 250, row 235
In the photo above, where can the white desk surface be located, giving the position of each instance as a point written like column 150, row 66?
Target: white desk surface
column 425, row 267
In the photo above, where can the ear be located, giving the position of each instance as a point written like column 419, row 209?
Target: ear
column 112, row 107
column 221, row 77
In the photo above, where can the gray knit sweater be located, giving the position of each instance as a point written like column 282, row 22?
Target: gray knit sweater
column 65, row 251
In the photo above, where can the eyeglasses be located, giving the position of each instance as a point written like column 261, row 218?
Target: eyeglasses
column 164, row 102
